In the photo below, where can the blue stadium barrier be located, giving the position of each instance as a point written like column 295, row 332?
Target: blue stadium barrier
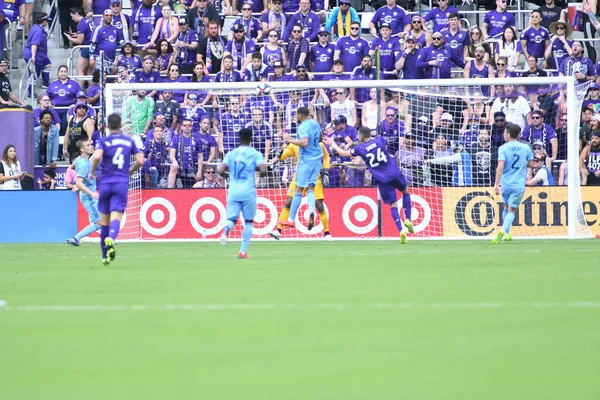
column 38, row 216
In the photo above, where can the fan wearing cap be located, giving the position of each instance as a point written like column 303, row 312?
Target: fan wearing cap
column 389, row 48
column 120, row 20
column 79, row 127
column 440, row 15
column 274, row 18
column 251, row 25
column 406, row 62
column 344, row 134
column 36, row 50
column 593, row 99
column 340, row 19
column 306, row 19
column 321, row 54
column 351, row 49
column 392, row 14
column 81, row 98
column 590, row 161
column 105, row 38
column 495, row 21
column 560, row 45
column 458, row 41
column 541, row 173
column 542, row 132
column 83, row 36
column 240, row 48
column 435, row 60
column 185, row 47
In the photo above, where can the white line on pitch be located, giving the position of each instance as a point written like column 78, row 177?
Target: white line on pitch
column 322, row 306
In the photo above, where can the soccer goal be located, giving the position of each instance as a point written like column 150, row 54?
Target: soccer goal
column 445, row 135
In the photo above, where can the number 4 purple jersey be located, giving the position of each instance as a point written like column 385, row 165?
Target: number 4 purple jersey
column 114, row 166
column 381, row 164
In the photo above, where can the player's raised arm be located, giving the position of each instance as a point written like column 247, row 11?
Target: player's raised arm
column 331, row 142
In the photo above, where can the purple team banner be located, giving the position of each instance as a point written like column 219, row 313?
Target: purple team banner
column 16, row 128
column 60, row 176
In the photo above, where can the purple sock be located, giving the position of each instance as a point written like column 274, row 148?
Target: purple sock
column 396, row 218
column 407, row 205
column 115, row 225
column 103, row 235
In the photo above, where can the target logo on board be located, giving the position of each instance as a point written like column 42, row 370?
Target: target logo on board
column 421, row 212
column 304, row 216
column 207, row 216
column 266, row 216
column 158, row 216
column 360, row 214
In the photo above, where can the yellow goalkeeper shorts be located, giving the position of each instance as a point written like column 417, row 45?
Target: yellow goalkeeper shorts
column 319, row 194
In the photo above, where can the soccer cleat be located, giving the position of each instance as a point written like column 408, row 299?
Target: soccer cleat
column 402, row 237
column 73, row 242
column 223, row 239
column 498, row 237
column 327, row 235
column 288, row 222
column 242, row 255
column 508, row 237
column 409, row 226
column 311, row 221
column 110, row 248
column 275, row 234
column 105, row 261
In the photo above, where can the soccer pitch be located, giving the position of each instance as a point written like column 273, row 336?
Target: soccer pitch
column 302, row 320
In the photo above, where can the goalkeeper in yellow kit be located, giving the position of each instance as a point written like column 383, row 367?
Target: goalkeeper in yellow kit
column 293, row 151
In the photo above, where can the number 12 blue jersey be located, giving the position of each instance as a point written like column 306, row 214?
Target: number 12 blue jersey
column 515, row 155
column 242, row 163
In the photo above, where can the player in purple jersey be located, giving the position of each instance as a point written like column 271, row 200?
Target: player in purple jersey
column 113, row 154
column 385, row 172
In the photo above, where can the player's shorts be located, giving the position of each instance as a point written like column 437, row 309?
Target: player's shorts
column 91, row 206
column 512, row 197
column 319, row 194
column 387, row 190
column 247, row 207
column 113, row 197
column 307, row 172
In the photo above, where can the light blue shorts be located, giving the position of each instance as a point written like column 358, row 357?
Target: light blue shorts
column 91, row 206
column 247, row 207
column 307, row 172
column 512, row 197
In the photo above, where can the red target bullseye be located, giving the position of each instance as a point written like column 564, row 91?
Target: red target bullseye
column 207, row 216
column 158, row 216
column 360, row 214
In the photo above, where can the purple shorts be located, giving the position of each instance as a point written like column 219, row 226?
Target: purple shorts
column 388, row 189
column 113, row 197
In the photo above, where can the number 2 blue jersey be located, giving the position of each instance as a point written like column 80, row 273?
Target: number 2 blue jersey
column 114, row 166
column 515, row 155
column 242, row 163
column 381, row 164
column 312, row 130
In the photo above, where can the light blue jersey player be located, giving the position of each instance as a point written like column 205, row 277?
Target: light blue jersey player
column 309, row 165
column 513, row 159
column 87, row 191
column 241, row 163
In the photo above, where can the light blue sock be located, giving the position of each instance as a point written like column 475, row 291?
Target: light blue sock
column 228, row 226
column 296, row 205
column 88, row 230
column 504, row 212
column 310, row 199
column 246, row 236
column 508, row 220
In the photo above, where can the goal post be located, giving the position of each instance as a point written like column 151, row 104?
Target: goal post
column 452, row 196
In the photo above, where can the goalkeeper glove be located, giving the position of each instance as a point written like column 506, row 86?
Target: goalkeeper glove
column 325, row 178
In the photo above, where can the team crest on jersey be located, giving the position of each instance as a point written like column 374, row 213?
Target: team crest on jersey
column 69, row 86
column 503, row 18
column 395, row 14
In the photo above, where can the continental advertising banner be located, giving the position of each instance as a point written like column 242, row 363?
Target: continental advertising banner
column 477, row 212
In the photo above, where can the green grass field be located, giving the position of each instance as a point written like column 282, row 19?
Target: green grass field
column 304, row 320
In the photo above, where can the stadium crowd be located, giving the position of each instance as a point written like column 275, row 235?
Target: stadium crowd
column 441, row 137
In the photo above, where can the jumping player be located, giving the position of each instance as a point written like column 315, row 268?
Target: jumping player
column 385, row 172
column 113, row 154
